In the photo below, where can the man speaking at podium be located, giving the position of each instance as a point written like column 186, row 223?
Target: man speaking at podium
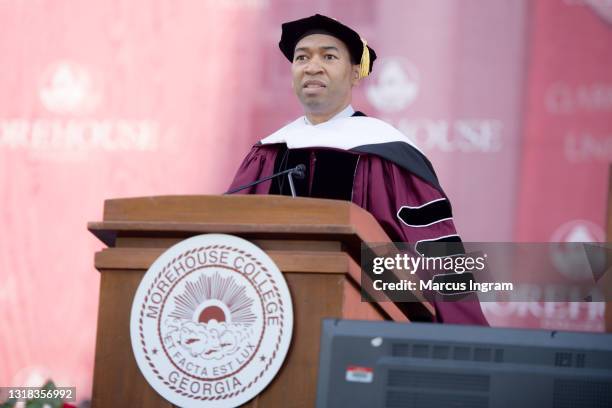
column 347, row 155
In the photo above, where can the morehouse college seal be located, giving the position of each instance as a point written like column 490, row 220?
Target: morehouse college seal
column 211, row 322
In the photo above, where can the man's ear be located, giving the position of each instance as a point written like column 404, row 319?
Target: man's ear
column 355, row 75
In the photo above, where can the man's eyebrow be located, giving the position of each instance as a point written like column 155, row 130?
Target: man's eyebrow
column 326, row 48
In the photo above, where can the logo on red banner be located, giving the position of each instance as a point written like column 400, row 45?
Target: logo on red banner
column 396, row 85
column 69, row 88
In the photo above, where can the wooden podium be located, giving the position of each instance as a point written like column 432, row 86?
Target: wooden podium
column 315, row 243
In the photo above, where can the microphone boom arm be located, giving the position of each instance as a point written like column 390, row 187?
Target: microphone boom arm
column 297, row 170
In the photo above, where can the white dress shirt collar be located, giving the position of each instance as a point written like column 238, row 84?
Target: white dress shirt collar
column 344, row 113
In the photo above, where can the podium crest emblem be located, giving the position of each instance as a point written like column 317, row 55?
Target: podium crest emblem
column 211, row 322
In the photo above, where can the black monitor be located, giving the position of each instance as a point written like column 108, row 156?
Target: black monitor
column 424, row 365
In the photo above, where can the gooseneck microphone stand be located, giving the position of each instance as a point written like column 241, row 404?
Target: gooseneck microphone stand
column 299, row 172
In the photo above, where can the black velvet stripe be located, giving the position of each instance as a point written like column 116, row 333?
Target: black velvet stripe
column 405, row 156
column 443, row 246
column 427, row 214
column 329, row 173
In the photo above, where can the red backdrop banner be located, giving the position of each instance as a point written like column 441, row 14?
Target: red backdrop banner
column 511, row 100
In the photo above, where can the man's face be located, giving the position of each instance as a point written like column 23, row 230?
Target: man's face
column 323, row 74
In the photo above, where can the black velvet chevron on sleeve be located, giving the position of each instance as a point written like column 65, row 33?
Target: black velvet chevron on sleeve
column 426, row 214
column 441, row 247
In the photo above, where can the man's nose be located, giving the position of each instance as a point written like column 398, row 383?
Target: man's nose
column 313, row 66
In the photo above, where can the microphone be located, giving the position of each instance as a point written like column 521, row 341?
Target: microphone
column 298, row 171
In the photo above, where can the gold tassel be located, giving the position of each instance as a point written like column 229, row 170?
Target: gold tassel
column 364, row 66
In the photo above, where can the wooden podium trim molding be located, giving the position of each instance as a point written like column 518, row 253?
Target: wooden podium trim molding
column 109, row 231
column 287, row 261
column 236, row 214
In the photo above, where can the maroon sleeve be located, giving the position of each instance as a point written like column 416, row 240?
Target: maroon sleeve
column 383, row 188
column 258, row 163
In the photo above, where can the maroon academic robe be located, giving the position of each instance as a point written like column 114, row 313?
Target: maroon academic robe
column 385, row 189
